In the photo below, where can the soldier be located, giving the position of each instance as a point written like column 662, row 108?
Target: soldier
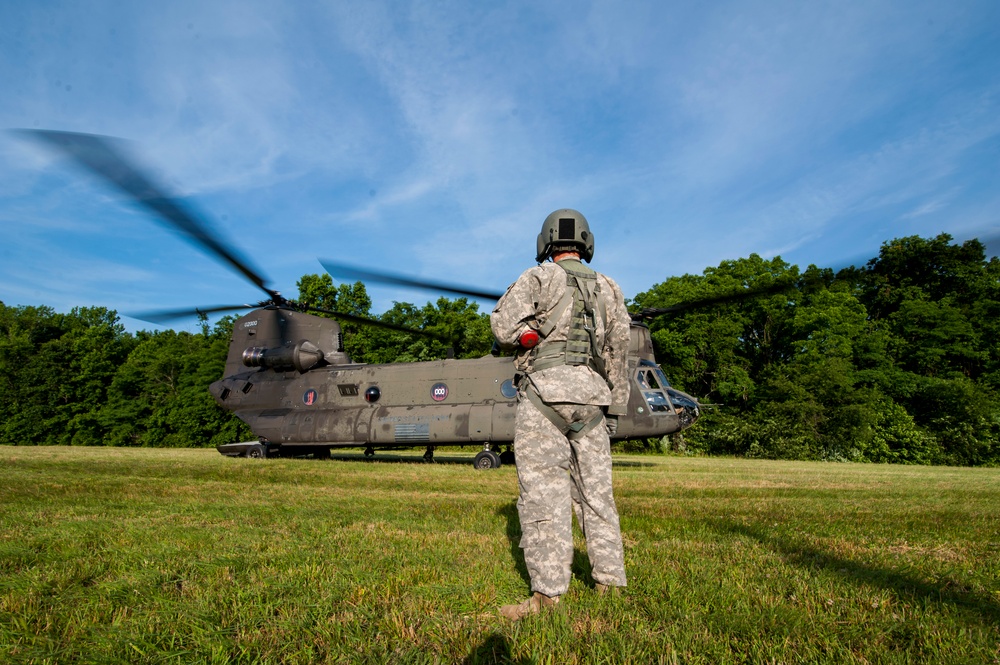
column 570, row 328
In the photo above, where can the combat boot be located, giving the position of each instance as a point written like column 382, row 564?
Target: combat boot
column 533, row 605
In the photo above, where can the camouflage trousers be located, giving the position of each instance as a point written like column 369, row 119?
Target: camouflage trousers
column 557, row 476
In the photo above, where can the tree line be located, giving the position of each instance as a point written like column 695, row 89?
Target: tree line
column 896, row 361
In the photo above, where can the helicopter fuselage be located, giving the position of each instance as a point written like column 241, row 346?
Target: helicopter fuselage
column 289, row 379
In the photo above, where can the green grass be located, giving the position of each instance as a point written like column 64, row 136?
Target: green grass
column 159, row 556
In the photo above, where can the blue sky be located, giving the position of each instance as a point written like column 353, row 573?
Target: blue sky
column 432, row 138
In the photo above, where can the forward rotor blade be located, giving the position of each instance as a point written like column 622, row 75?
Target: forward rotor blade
column 341, row 270
column 342, row 316
column 101, row 156
column 162, row 316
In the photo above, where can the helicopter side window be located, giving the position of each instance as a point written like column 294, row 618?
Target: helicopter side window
column 651, row 378
column 655, row 398
column 664, row 384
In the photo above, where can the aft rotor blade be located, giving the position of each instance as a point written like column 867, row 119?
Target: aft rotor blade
column 101, row 156
column 341, row 270
column 744, row 294
column 162, row 316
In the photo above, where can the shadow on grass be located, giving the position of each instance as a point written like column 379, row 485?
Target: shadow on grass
column 946, row 590
column 581, row 567
column 494, row 649
column 509, row 512
column 581, row 562
column 387, row 458
column 629, row 463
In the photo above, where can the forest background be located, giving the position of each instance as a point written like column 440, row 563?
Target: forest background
column 896, row 361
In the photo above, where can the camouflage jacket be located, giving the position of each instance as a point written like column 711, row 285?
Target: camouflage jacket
column 529, row 301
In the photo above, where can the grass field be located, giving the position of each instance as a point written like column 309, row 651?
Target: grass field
column 159, row 556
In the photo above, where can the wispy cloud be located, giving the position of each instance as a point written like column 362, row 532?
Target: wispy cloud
column 433, row 138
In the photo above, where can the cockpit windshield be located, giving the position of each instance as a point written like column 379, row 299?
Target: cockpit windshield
column 653, row 384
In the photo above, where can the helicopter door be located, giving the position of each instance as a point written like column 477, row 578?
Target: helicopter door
column 481, row 422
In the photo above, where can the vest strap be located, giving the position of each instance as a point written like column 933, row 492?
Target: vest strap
column 572, row 431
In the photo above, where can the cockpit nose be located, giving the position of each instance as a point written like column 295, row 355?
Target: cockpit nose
column 687, row 407
column 660, row 397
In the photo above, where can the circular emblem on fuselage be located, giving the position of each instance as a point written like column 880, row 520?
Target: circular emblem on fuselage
column 439, row 392
column 309, row 397
column 507, row 389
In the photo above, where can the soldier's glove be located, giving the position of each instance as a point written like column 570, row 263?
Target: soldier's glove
column 612, row 424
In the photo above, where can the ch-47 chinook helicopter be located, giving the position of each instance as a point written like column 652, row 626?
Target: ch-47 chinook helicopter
column 288, row 377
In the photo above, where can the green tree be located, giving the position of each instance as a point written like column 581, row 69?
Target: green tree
column 716, row 350
column 937, row 304
column 320, row 291
column 454, row 328
column 57, row 369
column 160, row 397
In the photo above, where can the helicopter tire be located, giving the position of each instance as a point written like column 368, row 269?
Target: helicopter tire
column 507, row 457
column 256, row 451
column 486, row 459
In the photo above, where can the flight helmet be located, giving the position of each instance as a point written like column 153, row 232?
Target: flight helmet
column 565, row 228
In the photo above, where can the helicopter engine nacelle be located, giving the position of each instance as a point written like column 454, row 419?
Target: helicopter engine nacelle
column 302, row 357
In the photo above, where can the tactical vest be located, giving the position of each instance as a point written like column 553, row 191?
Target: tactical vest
column 581, row 347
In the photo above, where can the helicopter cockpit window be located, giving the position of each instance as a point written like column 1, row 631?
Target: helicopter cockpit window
column 653, row 382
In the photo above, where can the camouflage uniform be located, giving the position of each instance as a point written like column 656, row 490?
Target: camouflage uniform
column 557, row 473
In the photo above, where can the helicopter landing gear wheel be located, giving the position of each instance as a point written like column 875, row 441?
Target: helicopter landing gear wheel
column 486, row 459
column 256, row 451
column 507, row 457
column 429, row 454
column 369, row 452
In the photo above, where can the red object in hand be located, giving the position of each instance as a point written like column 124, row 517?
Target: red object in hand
column 528, row 339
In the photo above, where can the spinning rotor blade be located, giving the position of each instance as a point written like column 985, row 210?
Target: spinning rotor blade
column 744, row 294
column 341, row 316
column 162, row 316
column 101, row 156
column 352, row 272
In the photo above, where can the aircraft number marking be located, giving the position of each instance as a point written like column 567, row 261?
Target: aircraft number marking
column 439, row 392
